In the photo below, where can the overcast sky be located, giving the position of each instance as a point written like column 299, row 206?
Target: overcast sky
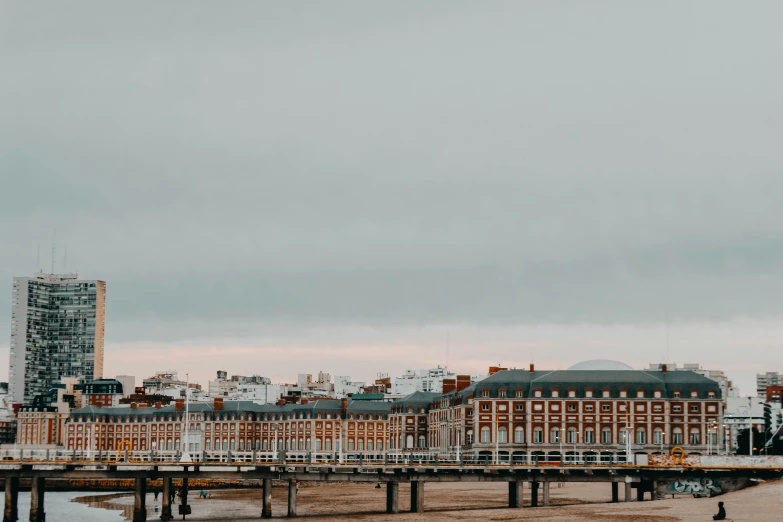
column 363, row 187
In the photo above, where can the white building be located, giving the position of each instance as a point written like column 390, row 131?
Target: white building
column 343, row 386
column 429, row 380
column 767, row 379
column 259, row 393
column 128, row 384
column 57, row 330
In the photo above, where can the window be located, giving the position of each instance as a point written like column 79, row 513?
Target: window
column 589, row 436
column 469, row 436
column 677, row 437
column 502, row 435
column 657, row 394
column 676, row 408
column 538, row 407
column 606, row 436
column 695, row 437
column 485, row 393
column 640, row 394
column 571, row 393
column 502, row 394
column 485, row 437
column 572, row 407
column 658, row 436
column 555, row 407
column 485, row 407
column 694, row 408
column 572, row 435
column 350, row 444
column 537, row 393
column 641, row 436
column 588, row 407
column 658, row 408
column 520, row 407
column 519, row 394
column 555, row 393
column 694, row 394
column 538, row 435
column 519, row 435
column 623, row 393
column 606, row 394
column 677, row 394
column 554, row 435
column 623, row 437
column 606, row 407
column 640, row 407
column 589, row 394
column 317, row 444
column 711, row 394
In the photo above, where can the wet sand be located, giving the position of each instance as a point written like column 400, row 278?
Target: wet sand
column 477, row 501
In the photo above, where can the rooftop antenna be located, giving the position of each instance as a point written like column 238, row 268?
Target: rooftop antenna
column 54, row 237
column 448, row 345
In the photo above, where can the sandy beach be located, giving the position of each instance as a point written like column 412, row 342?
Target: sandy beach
column 486, row 501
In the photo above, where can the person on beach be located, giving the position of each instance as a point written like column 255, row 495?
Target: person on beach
column 721, row 513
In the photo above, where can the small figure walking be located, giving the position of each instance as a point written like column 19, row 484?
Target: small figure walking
column 155, row 493
column 721, row 513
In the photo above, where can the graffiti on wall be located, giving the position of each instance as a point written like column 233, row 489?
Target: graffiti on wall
column 696, row 487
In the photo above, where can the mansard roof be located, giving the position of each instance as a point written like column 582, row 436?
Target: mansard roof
column 596, row 380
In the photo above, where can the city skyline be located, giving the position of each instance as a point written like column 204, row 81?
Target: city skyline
column 362, row 186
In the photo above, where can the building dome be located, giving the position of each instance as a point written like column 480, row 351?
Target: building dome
column 600, row 365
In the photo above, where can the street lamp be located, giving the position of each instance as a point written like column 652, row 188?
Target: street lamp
column 663, row 437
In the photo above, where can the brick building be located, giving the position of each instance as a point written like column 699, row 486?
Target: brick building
column 570, row 414
column 519, row 414
column 102, row 392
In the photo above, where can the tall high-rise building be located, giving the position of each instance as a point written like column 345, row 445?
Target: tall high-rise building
column 57, row 329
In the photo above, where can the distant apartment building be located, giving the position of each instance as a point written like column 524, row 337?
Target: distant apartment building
column 102, row 392
column 427, row 380
column 57, row 330
column 764, row 380
column 726, row 386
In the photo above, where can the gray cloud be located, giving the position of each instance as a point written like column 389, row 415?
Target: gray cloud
column 398, row 164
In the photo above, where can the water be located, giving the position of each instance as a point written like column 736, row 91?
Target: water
column 59, row 508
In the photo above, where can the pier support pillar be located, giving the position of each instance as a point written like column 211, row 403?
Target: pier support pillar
column 640, row 492
column 628, row 496
column 515, row 493
column 292, row 497
column 11, row 512
column 615, row 492
column 37, row 489
column 654, row 492
column 184, row 508
column 266, row 510
column 140, row 501
column 546, row 494
column 392, row 497
column 165, row 511
column 417, row 496
column 534, row 494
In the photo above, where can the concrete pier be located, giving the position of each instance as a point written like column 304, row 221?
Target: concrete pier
column 140, row 501
column 516, row 491
column 165, row 512
column 37, row 489
column 628, row 496
column 615, row 492
column 292, row 497
column 183, row 508
column 546, row 494
column 654, row 492
column 392, row 497
column 266, row 510
column 417, row 496
column 534, row 494
column 11, row 512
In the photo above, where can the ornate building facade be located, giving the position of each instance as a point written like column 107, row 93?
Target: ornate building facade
column 520, row 415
